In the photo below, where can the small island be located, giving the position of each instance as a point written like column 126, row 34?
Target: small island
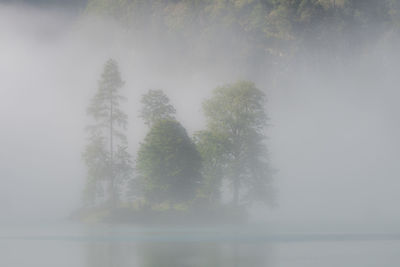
column 210, row 177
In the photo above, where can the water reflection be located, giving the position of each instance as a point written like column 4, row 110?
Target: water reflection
column 175, row 254
column 67, row 246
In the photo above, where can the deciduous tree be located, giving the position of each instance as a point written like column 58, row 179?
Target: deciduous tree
column 156, row 106
column 168, row 164
column 236, row 114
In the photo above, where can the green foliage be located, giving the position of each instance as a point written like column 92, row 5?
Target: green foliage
column 257, row 30
column 236, row 114
column 236, row 109
column 105, row 155
column 174, row 174
column 168, row 164
column 213, row 149
column 96, row 158
column 78, row 4
column 156, row 107
column 105, row 105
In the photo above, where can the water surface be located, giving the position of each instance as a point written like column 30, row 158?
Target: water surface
column 120, row 246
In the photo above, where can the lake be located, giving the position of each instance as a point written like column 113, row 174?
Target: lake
column 122, row 246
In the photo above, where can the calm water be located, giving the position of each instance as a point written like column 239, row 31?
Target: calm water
column 120, row 246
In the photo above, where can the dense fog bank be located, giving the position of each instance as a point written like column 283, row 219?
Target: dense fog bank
column 333, row 134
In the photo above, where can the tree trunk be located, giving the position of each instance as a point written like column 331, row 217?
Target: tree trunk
column 112, row 185
column 236, row 185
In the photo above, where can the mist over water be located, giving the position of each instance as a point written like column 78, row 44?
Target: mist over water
column 332, row 139
column 105, row 245
column 333, row 124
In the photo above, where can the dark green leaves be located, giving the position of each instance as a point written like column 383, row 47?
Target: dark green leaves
column 168, row 164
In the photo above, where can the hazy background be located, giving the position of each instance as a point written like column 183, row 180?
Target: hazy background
column 333, row 134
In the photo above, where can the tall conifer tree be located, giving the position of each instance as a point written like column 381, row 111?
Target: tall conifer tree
column 106, row 154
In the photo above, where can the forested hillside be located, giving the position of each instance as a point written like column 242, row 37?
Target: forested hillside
column 253, row 34
column 76, row 4
column 258, row 30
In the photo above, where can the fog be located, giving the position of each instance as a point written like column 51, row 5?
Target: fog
column 333, row 134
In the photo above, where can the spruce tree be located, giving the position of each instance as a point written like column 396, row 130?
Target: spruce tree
column 106, row 156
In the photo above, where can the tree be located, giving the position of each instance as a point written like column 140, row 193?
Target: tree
column 168, row 164
column 105, row 155
column 96, row 159
column 156, row 107
column 212, row 148
column 236, row 114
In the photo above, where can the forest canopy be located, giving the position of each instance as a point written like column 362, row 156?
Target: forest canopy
column 259, row 30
